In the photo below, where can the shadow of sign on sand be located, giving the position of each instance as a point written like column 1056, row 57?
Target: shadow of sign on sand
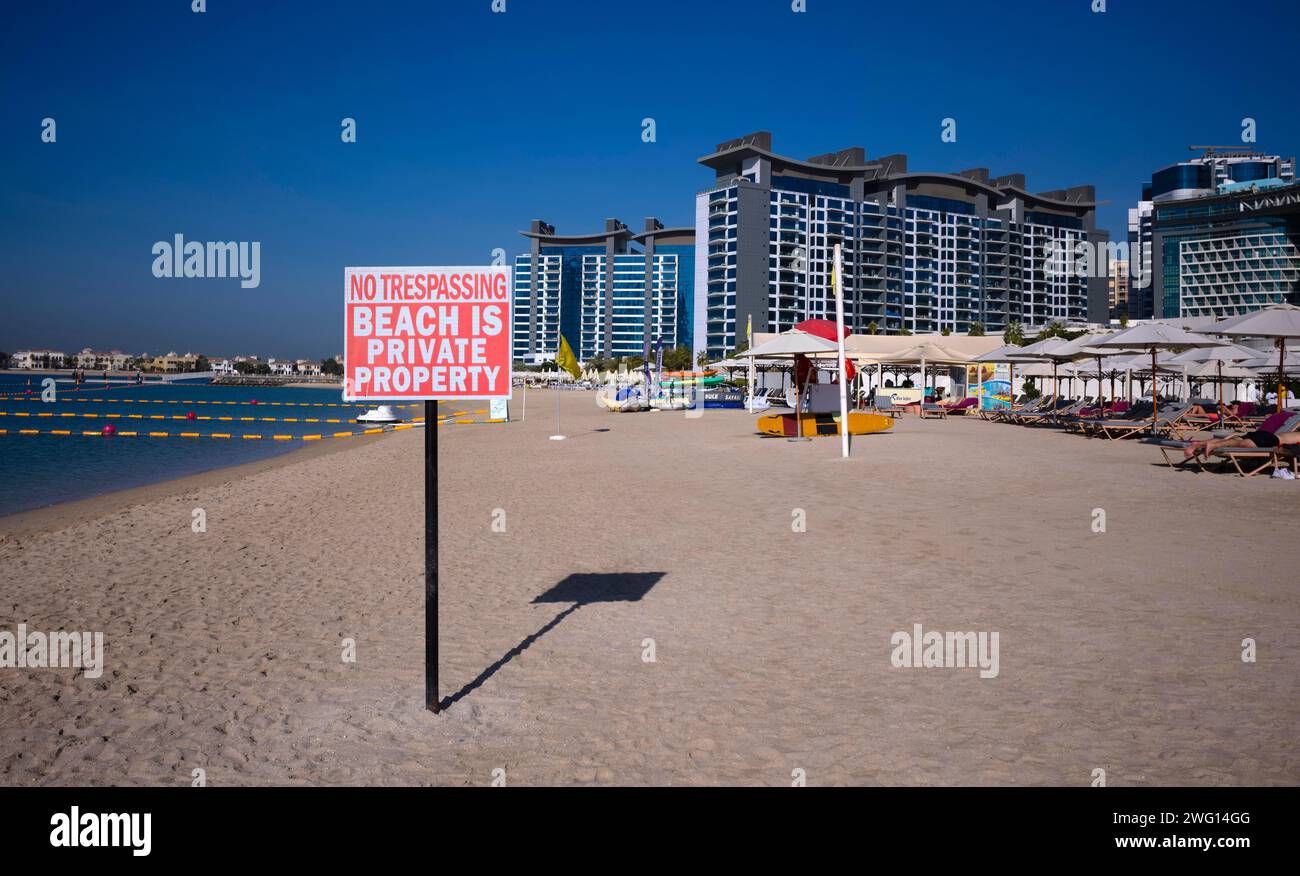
column 578, row 589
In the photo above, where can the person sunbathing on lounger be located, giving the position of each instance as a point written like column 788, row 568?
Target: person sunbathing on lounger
column 1258, row 438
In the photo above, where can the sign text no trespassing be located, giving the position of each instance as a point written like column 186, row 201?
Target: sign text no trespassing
column 426, row 333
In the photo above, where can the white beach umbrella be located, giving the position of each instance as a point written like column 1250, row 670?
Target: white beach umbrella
column 1219, row 372
column 1272, row 361
column 790, row 344
column 1039, row 351
column 1082, row 347
column 1205, row 361
column 1153, row 338
column 1279, row 322
column 1226, row 353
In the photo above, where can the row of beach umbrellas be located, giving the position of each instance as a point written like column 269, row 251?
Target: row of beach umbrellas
column 1200, row 355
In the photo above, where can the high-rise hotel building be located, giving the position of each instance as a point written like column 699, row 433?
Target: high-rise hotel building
column 921, row 251
column 1219, row 236
column 610, row 293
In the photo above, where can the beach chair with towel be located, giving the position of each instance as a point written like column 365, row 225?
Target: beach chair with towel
column 1246, row 461
column 1250, row 461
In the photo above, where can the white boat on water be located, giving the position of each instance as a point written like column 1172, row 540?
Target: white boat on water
column 381, row 414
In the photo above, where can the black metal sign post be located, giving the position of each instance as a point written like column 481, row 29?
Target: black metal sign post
column 431, row 556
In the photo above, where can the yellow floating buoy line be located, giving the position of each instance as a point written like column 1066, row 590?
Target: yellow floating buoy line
column 101, row 434
column 177, row 401
column 116, row 416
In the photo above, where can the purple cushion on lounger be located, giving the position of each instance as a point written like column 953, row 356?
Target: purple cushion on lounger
column 1275, row 421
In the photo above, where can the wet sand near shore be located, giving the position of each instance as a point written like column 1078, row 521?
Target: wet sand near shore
column 1118, row 650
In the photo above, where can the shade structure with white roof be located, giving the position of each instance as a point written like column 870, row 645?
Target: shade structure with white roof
column 1279, row 322
column 926, row 354
column 1153, row 338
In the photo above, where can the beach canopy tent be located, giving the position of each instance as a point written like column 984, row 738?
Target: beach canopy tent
column 872, row 349
column 1153, row 338
column 927, row 351
column 925, row 354
column 1279, row 322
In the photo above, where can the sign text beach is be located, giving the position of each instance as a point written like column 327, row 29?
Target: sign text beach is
column 426, row 333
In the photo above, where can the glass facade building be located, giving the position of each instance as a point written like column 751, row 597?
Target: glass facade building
column 1182, row 201
column 921, row 252
column 608, row 293
column 1228, row 253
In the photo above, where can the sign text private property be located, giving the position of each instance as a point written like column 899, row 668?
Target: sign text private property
column 426, row 333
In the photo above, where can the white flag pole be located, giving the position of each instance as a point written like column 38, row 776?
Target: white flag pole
column 839, row 331
column 749, row 342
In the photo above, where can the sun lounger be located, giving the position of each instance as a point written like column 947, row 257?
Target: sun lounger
column 929, row 411
column 1250, row 461
column 1246, row 461
column 1132, row 426
column 1048, row 413
column 1005, row 414
column 1172, row 450
column 887, row 406
column 1138, row 412
column 962, row 407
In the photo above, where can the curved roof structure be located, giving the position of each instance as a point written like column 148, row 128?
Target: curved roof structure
column 851, row 164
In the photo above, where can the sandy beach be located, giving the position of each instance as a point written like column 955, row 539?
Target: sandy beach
column 1119, row 650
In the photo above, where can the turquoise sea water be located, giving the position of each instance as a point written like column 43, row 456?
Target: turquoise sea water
column 40, row 470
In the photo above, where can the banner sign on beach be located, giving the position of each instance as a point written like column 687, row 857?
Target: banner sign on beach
column 426, row 333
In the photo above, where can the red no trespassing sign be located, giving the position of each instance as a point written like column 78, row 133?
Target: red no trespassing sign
column 426, row 333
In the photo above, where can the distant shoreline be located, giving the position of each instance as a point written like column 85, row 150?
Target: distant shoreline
column 275, row 380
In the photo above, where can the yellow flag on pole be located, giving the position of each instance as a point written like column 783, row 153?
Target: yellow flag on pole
column 565, row 359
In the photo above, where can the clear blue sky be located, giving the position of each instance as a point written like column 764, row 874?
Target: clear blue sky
column 225, row 126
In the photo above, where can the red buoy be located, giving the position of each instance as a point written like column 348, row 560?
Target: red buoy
column 253, row 402
column 189, row 415
column 110, row 429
